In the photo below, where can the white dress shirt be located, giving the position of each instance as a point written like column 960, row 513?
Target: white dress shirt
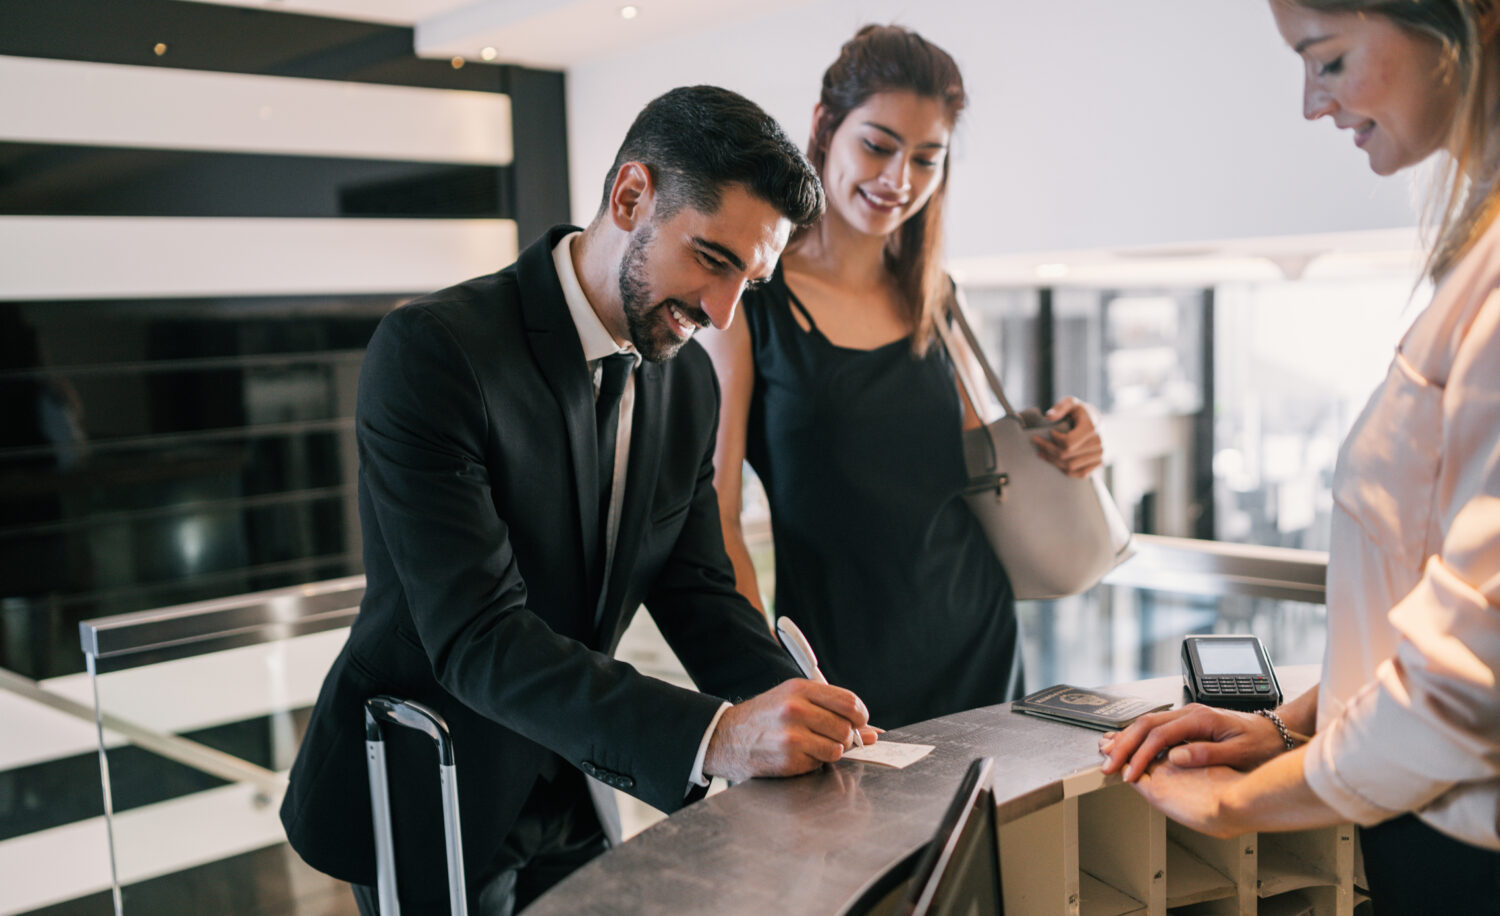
column 598, row 344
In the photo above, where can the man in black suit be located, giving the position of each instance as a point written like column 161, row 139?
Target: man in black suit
column 514, row 518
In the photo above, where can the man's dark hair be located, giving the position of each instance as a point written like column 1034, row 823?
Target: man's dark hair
column 697, row 139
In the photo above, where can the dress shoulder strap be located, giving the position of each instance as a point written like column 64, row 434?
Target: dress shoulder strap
column 796, row 303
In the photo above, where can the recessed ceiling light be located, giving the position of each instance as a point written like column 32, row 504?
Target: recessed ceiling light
column 628, row 12
column 160, row 49
column 488, row 53
column 457, row 62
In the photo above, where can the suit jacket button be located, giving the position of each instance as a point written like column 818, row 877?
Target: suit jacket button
column 589, row 768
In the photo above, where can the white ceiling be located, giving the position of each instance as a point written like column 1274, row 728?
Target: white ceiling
column 601, row 47
column 547, row 34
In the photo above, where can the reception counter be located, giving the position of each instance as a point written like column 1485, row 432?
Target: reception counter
column 843, row 839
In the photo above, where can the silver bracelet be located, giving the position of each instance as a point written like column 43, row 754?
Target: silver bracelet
column 1281, row 729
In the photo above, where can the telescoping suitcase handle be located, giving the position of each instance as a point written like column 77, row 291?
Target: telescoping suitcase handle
column 380, row 711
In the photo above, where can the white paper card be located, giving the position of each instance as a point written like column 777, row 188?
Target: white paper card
column 889, row 753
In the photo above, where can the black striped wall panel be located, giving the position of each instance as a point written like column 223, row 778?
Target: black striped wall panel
column 51, row 179
column 185, row 318
column 231, row 39
column 206, row 38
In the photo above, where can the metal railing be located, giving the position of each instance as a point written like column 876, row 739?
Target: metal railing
column 147, row 637
column 1220, row 568
column 142, row 638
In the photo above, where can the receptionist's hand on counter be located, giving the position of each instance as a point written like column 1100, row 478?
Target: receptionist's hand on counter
column 1193, row 736
column 792, row 728
column 1201, row 736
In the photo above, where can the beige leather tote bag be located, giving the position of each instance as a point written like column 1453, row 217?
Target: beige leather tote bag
column 1055, row 535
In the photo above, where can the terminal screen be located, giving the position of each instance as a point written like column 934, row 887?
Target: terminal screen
column 1232, row 657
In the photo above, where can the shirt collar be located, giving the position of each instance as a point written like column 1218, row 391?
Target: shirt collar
column 597, row 342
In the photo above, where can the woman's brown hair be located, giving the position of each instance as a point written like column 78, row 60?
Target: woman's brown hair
column 889, row 58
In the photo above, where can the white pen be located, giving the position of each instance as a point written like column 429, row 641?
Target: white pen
column 801, row 652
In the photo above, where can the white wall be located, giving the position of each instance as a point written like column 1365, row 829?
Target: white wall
column 1092, row 123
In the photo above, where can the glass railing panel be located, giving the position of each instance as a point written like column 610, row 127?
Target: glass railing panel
column 195, row 753
column 201, row 709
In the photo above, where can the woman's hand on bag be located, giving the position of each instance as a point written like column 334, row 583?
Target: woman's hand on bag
column 1193, row 736
column 1074, row 446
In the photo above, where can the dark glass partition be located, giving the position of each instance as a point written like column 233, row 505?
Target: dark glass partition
column 159, row 452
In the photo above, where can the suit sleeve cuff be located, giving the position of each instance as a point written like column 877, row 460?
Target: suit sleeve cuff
column 696, row 777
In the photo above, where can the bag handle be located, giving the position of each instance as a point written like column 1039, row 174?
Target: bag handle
column 991, row 477
column 990, row 375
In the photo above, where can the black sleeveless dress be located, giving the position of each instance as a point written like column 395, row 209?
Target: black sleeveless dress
column 878, row 560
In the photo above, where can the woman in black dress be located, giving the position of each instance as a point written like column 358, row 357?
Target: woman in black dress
column 850, row 414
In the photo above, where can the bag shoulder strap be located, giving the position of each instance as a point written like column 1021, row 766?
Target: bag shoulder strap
column 946, row 336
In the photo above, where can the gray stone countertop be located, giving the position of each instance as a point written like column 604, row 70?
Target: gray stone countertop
column 813, row 844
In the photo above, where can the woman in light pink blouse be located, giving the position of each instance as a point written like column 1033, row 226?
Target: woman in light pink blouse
column 1405, row 726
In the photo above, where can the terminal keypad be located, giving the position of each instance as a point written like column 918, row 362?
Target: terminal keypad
column 1247, row 684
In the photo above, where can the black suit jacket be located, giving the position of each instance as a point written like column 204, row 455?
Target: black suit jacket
column 479, row 510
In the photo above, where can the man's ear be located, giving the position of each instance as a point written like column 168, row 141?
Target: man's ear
column 632, row 197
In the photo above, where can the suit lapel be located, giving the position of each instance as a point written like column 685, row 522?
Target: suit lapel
column 640, row 485
column 559, row 355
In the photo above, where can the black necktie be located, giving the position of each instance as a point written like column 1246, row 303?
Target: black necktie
column 613, row 372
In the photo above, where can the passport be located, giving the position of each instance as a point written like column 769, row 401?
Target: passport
column 1082, row 706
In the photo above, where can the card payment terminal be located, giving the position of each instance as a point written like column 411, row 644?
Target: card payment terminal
column 1231, row 672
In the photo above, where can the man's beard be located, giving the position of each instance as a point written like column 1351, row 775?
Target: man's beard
column 647, row 322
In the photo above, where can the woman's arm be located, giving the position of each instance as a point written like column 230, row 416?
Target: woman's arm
column 1300, row 715
column 734, row 364
column 1222, row 802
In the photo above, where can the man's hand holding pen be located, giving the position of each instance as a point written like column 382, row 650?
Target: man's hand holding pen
column 792, row 728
